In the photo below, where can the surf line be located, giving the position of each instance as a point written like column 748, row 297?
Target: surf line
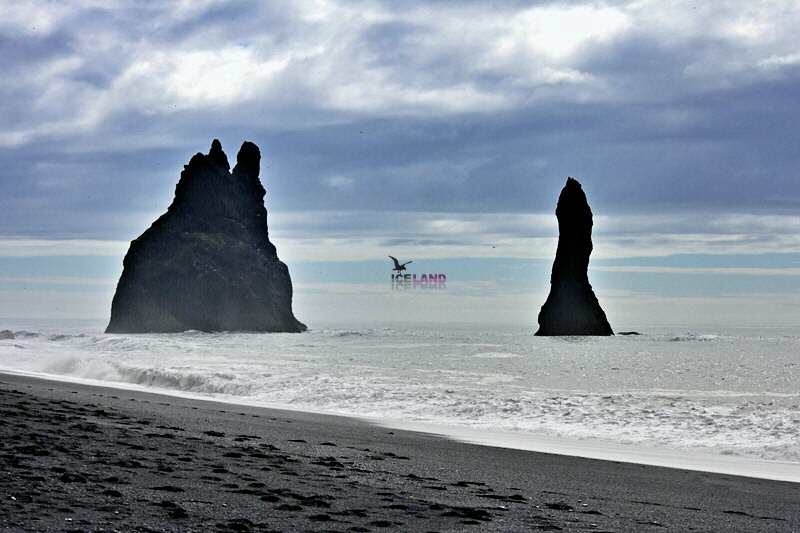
column 427, row 281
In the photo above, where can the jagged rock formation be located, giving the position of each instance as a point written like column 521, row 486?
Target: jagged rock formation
column 207, row 264
column 572, row 307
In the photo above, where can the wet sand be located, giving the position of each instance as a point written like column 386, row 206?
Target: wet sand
column 75, row 457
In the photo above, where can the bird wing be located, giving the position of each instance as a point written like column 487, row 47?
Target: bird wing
column 404, row 264
column 396, row 263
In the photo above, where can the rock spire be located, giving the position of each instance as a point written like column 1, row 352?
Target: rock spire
column 572, row 307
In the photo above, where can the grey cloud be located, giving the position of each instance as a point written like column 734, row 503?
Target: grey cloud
column 394, row 44
column 18, row 52
column 639, row 132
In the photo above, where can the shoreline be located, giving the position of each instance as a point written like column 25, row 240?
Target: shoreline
column 85, row 457
column 614, row 452
column 586, row 449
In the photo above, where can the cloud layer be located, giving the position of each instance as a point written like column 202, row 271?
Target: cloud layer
column 459, row 107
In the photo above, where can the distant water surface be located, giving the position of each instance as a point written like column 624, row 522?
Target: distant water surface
column 727, row 392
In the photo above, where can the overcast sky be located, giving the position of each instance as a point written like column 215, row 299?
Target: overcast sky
column 432, row 131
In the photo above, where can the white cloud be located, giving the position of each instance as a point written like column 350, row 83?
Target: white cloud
column 67, row 247
column 730, row 40
column 557, row 31
column 447, row 58
column 325, row 58
column 321, row 53
column 167, row 81
column 338, row 182
column 349, row 236
column 343, row 236
column 31, row 17
column 62, row 281
column 716, row 271
column 660, row 235
column 778, row 61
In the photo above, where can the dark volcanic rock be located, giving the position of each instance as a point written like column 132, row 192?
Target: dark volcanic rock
column 207, row 264
column 572, row 308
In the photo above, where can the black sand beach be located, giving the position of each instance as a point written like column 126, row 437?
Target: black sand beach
column 82, row 458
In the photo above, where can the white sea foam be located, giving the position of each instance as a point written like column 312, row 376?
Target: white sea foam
column 727, row 393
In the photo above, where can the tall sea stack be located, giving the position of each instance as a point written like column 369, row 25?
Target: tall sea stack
column 207, row 264
column 572, row 308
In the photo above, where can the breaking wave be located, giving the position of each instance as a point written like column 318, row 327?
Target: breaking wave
column 723, row 393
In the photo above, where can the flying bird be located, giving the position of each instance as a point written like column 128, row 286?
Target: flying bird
column 398, row 266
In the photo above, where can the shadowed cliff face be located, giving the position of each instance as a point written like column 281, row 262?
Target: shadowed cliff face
column 207, row 263
column 572, row 307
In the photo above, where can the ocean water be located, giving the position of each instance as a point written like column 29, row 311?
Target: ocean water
column 726, row 392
